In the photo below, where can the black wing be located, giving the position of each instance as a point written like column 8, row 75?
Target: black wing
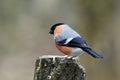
column 75, row 42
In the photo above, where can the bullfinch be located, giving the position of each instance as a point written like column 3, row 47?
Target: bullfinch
column 69, row 42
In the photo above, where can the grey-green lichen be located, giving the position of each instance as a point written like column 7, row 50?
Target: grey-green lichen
column 58, row 68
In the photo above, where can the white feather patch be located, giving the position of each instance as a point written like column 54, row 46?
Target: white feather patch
column 68, row 40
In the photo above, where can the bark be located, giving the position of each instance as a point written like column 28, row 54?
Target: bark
column 58, row 68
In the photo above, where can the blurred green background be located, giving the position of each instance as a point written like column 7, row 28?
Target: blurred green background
column 24, row 27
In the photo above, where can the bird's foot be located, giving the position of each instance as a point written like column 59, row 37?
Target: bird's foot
column 70, row 58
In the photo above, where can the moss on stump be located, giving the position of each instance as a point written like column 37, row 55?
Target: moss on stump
column 58, row 68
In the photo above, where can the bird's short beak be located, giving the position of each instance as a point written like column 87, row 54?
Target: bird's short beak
column 51, row 32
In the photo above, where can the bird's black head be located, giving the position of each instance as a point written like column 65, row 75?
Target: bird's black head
column 54, row 26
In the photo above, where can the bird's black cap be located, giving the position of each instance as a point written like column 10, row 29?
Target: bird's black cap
column 54, row 26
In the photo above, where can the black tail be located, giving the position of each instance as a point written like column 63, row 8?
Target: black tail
column 93, row 53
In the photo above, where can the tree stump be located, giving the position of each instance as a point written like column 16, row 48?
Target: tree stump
column 58, row 68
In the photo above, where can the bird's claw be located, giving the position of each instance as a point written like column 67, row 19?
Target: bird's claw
column 69, row 58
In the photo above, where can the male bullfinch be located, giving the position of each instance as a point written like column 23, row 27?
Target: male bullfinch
column 69, row 42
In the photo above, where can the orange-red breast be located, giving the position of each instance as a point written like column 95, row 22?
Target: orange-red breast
column 69, row 42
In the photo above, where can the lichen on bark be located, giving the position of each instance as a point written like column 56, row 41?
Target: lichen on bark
column 58, row 68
